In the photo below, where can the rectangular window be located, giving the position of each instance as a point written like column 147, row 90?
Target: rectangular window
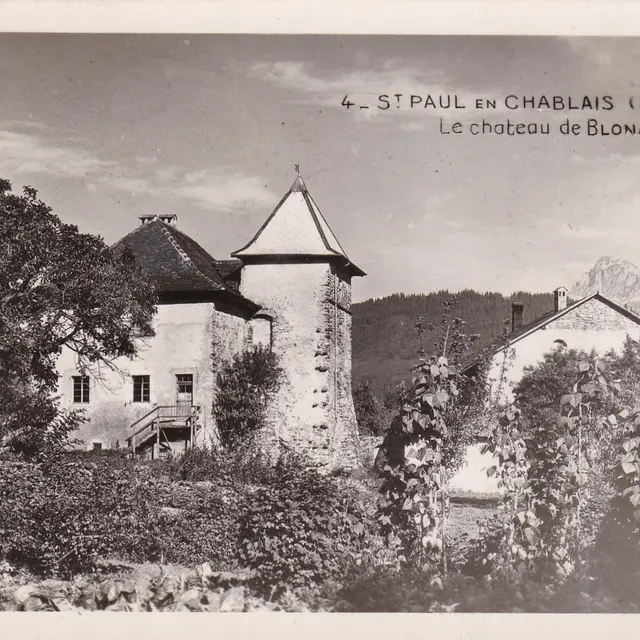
column 261, row 332
column 81, row 389
column 141, row 389
column 97, row 446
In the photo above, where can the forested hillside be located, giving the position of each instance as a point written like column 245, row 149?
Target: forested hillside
column 385, row 342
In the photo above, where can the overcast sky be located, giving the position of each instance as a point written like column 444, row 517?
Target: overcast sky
column 108, row 128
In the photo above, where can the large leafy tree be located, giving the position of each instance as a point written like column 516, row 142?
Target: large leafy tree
column 58, row 288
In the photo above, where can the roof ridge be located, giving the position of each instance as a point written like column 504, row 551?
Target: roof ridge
column 315, row 208
column 264, row 224
column 182, row 253
column 306, row 196
column 499, row 345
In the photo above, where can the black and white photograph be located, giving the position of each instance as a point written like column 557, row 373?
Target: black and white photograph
column 319, row 323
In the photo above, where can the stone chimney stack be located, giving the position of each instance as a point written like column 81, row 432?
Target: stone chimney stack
column 560, row 299
column 167, row 218
column 517, row 315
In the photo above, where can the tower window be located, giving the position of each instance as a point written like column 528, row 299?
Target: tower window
column 81, row 389
column 141, row 389
column 260, row 332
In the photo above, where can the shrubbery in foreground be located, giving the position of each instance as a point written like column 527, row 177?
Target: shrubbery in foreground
column 292, row 525
column 60, row 517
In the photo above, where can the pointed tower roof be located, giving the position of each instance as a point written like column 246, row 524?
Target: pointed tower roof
column 297, row 228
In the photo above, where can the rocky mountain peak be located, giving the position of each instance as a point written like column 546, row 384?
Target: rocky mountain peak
column 615, row 278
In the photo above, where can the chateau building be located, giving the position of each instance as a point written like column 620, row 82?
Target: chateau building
column 289, row 289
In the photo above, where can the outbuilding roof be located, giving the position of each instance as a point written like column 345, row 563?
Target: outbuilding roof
column 541, row 322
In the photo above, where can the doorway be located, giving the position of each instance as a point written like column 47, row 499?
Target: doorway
column 184, row 393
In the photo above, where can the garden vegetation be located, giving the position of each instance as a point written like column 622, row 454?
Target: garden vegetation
column 269, row 533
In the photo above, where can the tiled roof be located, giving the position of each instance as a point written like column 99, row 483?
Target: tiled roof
column 543, row 321
column 296, row 228
column 174, row 263
column 228, row 268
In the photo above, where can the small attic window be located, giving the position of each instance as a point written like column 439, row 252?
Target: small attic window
column 560, row 343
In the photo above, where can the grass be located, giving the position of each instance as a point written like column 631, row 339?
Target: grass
column 464, row 518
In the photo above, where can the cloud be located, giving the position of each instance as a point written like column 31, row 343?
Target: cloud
column 364, row 86
column 221, row 190
column 27, row 153
column 25, row 124
column 225, row 191
column 606, row 52
column 137, row 186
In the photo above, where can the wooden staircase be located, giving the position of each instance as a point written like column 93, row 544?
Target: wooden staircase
column 155, row 432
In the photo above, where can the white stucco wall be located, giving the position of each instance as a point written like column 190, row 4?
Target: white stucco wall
column 182, row 345
column 529, row 351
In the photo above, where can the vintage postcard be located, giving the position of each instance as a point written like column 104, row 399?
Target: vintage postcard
column 319, row 323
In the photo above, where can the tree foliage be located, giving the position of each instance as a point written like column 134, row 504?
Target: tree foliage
column 536, row 393
column 58, row 289
column 369, row 414
column 384, row 329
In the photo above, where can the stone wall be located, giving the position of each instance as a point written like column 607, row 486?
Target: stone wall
column 344, row 429
column 595, row 315
column 306, row 412
column 182, row 345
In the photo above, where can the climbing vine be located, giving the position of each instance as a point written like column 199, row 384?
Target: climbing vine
column 409, row 510
column 543, row 475
column 425, row 440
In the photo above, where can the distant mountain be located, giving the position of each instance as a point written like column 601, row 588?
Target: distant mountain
column 615, row 278
column 385, row 341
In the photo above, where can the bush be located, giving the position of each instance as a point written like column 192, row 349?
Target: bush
column 200, row 524
column 369, row 414
column 244, row 388
column 239, row 466
column 295, row 531
column 61, row 517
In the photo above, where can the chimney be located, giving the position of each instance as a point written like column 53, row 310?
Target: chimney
column 517, row 314
column 167, row 218
column 560, row 299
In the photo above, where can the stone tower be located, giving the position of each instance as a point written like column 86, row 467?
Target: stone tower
column 297, row 271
